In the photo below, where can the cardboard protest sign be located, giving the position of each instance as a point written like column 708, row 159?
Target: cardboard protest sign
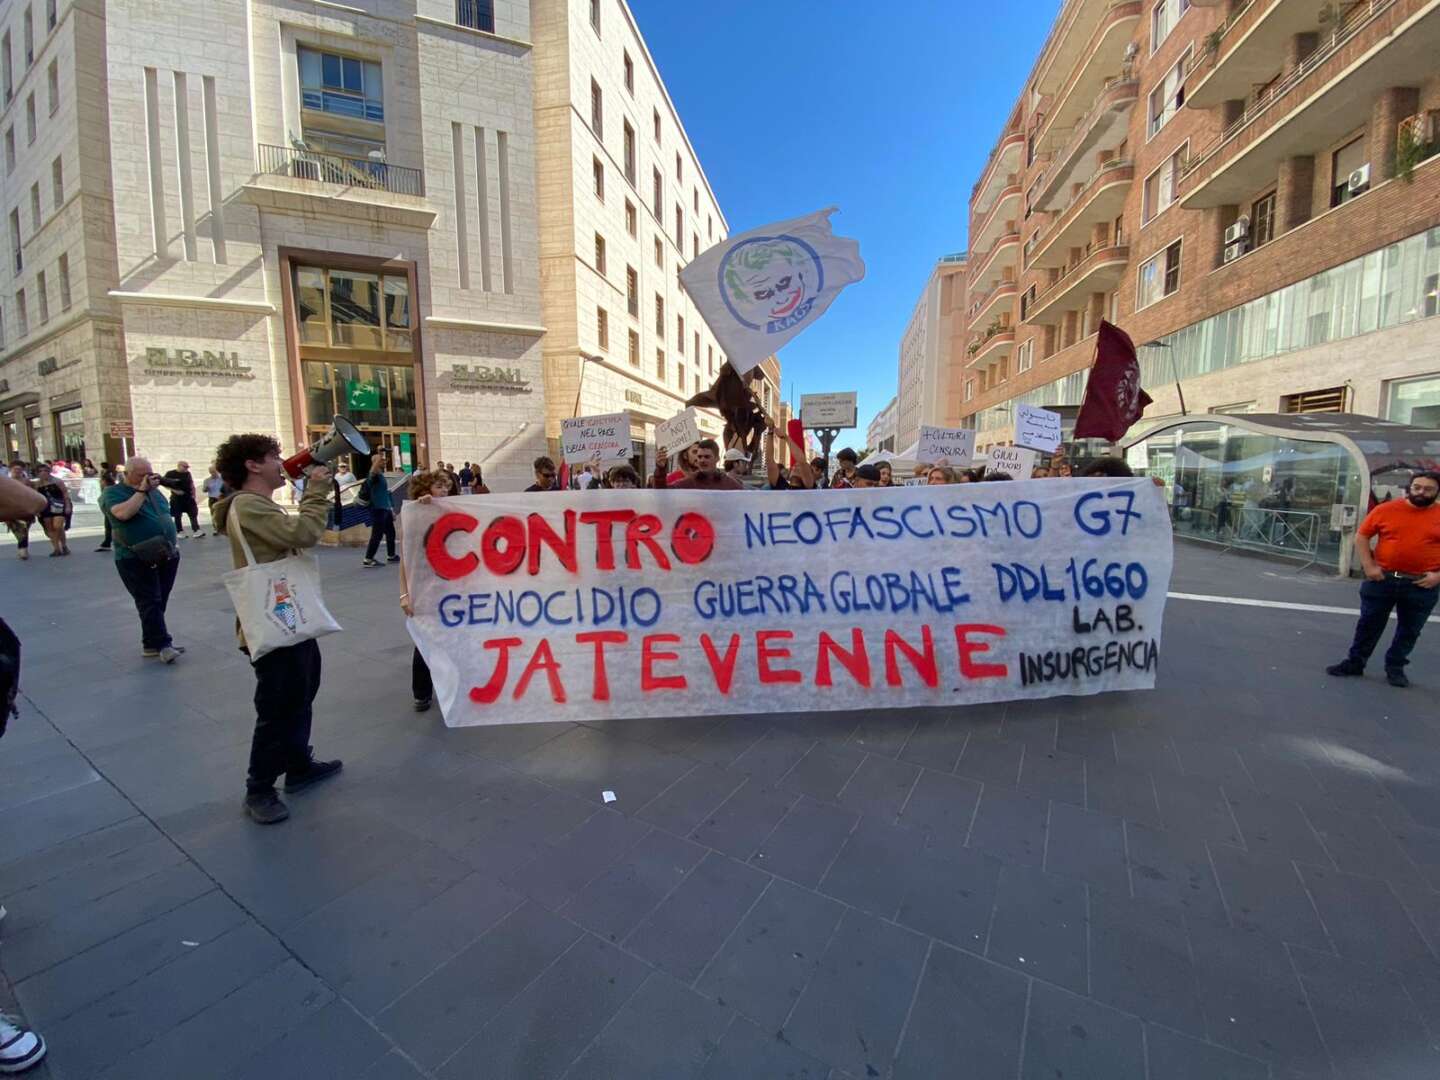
column 625, row 603
column 945, row 446
column 678, row 432
column 1037, row 428
column 1015, row 460
column 596, row 440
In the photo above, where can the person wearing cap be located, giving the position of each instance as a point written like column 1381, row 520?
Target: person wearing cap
column 865, row 476
column 737, row 465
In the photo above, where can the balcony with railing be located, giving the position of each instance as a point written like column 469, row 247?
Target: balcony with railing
column 1099, row 270
column 996, row 343
column 1103, row 128
column 988, row 305
column 295, row 177
column 1070, row 43
column 1374, row 45
column 999, row 221
column 1102, row 60
column 989, row 269
column 1248, row 49
column 1003, row 164
column 1099, row 201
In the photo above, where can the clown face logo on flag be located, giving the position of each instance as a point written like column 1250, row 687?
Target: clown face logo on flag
column 761, row 288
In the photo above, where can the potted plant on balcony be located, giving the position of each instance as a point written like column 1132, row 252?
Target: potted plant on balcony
column 1410, row 151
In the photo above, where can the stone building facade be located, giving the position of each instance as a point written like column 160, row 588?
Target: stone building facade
column 931, row 354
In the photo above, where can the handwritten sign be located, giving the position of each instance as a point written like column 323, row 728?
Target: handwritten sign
column 1015, row 460
column 1037, row 428
column 678, row 432
column 945, row 446
column 597, row 440
column 604, row 604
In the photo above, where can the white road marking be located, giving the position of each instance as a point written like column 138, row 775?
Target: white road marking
column 1243, row 601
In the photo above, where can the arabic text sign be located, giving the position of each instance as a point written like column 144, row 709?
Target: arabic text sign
column 1015, row 460
column 1037, row 428
column 945, row 446
column 599, row 439
column 828, row 410
column 678, row 432
column 625, row 603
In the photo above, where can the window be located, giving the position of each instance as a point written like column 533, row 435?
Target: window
column 8, row 72
column 1025, row 356
column 696, row 342
column 595, row 15
column 632, row 291
column 476, row 14
column 680, row 228
column 350, row 308
column 629, row 74
column 1161, row 185
column 660, row 316
column 34, row 208
column 1166, row 99
column 657, row 190
column 660, row 364
column 969, row 389
column 631, row 221
column 1262, row 220
column 602, row 328
column 709, row 227
column 628, row 154
column 679, row 170
column 1159, row 276
column 18, row 258
column 1331, row 400
column 680, row 376
column 659, row 253
column 42, row 295
column 1344, row 163
column 695, row 202
column 64, row 282
column 52, row 82
column 30, row 120
column 1163, row 17
column 49, row 14
column 600, row 254
column 1414, row 401
column 680, row 334
column 29, row 37
column 9, row 150
column 634, row 349
column 597, row 110
column 57, row 182
column 655, row 122
column 22, row 317
column 694, row 246
column 598, row 170
column 710, row 358
column 343, row 86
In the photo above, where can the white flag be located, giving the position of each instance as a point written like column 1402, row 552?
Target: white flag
column 761, row 288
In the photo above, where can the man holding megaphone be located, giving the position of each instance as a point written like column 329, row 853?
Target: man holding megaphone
column 287, row 677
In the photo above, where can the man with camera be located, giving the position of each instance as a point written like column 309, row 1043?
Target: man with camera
column 147, row 557
column 288, row 678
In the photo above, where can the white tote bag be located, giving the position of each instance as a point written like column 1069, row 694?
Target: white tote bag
column 279, row 603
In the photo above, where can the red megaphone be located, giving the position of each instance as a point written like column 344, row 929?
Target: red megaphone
column 343, row 437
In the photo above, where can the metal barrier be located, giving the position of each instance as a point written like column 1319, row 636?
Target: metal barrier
column 1292, row 533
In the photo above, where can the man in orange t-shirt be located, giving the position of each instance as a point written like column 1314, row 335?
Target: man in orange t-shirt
column 1402, row 574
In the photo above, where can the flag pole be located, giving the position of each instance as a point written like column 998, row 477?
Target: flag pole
column 1174, row 370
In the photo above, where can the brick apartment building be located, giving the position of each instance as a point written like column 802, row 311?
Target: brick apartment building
column 1252, row 185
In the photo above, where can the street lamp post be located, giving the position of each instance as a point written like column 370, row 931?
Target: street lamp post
column 1174, row 370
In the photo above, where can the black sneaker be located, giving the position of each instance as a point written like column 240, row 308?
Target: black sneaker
column 369, row 562
column 1396, row 677
column 313, row 772
column 1345, row 669
column 392, row 558
column 422, row 704
column 265, row 807
column 103, row 547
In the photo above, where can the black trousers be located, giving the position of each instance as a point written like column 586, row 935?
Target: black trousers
column 1412, row 606
column 179, row 508
column 286, row 682
column 420, row 684
column 382, row 523
column 149, row 586
column 21, row 531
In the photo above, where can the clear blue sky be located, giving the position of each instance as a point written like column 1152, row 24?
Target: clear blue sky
column 887, row 111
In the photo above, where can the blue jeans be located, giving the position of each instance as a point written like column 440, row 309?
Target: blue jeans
column 1412, row 606
column 149, row 587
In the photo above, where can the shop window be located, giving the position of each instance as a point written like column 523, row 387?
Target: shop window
column 70, row 433
column 476, row 14
column 369, row 395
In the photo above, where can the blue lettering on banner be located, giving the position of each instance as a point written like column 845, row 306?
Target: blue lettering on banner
column 841, row 524
column 1096, row 520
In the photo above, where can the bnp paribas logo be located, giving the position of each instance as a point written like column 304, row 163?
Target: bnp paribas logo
column 196, row 363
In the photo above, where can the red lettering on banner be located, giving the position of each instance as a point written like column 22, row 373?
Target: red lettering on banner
column 600, row 638
column 642, row 530
column 604, row 522
column 723, row 670
column 506, row 531
column 490, row 692
column 650, row 656
column 922, row 659
column 542, row 660
column 541, row 532
column 765, row 652
column 441, row 561
column 968, row 667
column 856, row 661
column 692, row 538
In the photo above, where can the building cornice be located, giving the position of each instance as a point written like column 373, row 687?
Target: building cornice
column 216, row 303
column 447, row 322
column 470, row 30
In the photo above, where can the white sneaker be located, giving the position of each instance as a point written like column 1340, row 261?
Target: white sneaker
column 197, row 534
column 20, row 1048
column 170, row 653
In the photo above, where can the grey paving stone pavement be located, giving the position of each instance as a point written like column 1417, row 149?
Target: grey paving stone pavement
column 1233, row 877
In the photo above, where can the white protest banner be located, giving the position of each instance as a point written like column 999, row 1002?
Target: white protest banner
column 759, row 289
column 1015, row 460
column 945, row 446
column 828, row 410
column 1037, row 428
column 626, row 603
column 678, row 432
column 597, row 440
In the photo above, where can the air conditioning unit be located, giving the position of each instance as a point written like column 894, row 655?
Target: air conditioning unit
column 1235, row 250
column 1239, row 230
column 1359, row 179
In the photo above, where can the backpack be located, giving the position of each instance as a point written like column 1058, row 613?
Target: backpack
column 362, row 497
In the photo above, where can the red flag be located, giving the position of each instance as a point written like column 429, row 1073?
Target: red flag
column 795, row 431
column 1113, row 398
